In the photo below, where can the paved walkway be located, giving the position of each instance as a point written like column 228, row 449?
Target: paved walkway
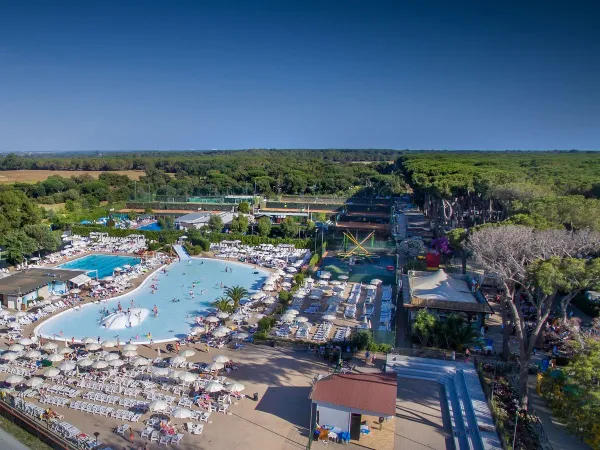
column 8, row 442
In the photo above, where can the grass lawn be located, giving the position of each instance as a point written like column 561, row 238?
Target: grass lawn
column 22, row 435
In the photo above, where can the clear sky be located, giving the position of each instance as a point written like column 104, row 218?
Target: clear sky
column 174, row 74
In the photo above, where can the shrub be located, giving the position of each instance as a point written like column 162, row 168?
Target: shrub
column 266, row 323
column 285, row 298
column 362, row 339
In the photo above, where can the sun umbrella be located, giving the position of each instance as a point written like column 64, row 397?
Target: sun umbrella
column 55, row 357
column 49, row 346
column 109, row 278
column 157, row 405
column 197, row 330
column 375, row 281
column 286, row 284
column 109, row 344
column 181, row 413
column 100, row 364
column 222, row 329
column 116, row 363
column 4, row 313
column 10, row 356
column 20, row 314
column 94, row 347
column 187, row 377
column 269, row 301
column 257, row 296
column 335, row 283
column 130, row 354
column 111, row 357
column 213, row 386
column 26, row 341
column 187, row 353
column 176, row 360
column 160, row 371
column 212, row 319
column 174, row 373
column 235, row 387
column 85, row 362
column 301, row 319
column 236, row 317
column 222, row 315
column 241, row 335
column 130, row 348
column 75, row 291
column 14, row 379
column 221, row 359
column 140, row 361
column 65, row 351
column 88, row 340
column 67, row 366
column 95, row 283
column 219, row 334
column 292, row 312
column 51, row 372
column 33, row 354
column 34, row 382
column 259, row 316
column 214, row 366
column 329, row 318
column 16, row 348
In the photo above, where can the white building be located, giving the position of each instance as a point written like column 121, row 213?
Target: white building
column 200, row 219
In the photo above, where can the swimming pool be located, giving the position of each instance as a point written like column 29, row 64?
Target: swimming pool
column 154, row 226
column 174, row 320
column 104, row 264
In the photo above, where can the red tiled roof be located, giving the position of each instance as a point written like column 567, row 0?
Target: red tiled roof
column 373, row 392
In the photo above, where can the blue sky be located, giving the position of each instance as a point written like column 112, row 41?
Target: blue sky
column 125, row 75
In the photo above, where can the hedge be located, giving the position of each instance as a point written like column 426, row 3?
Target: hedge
column 172, row 236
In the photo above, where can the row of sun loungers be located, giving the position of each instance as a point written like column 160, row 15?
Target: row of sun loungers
column 322, row 333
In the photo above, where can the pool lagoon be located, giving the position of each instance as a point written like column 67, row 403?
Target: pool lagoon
column 174, row 319
column 104, row 264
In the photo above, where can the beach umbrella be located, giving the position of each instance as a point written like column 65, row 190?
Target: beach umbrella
column 67, row 366
column 212, row 319
column 157, row 406
column 116, row 363
column 222, row 315
column 33, row 354
column 221, row 359
column 309, row 279
column 20, row 314
column 176, row 360
column 213, row 386
column 14, row 379
column 160, row 371
column 174, row 373
column 222, row 329
column 130, row 348
column 85, row 362
column 94, row 347
column 49, row 346
column 34, row 382
column 187, row 353
column 26, row 341
column 371, row 287
column 329, row 317
column 259, row 316
column 286, row 284
column 335, row 283
column 181, row 413
column 376, row 281
column 109, row 343
column 4, row 313
column 269, row 288
column 140, row 361
column 100, row 364
column 95, row 283
column 214, row 366
column 235, row 387
column 219, row 334
column 55, row 357
column 51, row 372
column 291, row 269
column 109, row 278
column 187, row 377
column 75, row 291
column 88, row 340
column 257, row 296
column 111, row 357
column 301, row 319
column 130, row 354
column 197, row 330
column 16, row 348
column 10, row 356
column 65, row 351
column 236, row 317
column 241, row 335
column 269, row 301
column 293, row 312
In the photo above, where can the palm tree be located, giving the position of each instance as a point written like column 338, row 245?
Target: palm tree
column 223, row 304
column 236, row 293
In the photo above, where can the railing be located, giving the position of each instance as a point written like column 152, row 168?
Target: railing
column 38, row 428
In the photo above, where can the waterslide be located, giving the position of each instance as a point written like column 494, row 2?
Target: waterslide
column 181, row 252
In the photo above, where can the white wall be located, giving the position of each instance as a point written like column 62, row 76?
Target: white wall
column 334, row 417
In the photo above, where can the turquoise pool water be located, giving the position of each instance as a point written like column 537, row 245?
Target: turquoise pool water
column 104, row 264
column 151, row 227
column 174, row 319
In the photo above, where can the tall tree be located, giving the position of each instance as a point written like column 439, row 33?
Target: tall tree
column 236, row 293
column 215, row 223
column 518, row 256
column 264, row 226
